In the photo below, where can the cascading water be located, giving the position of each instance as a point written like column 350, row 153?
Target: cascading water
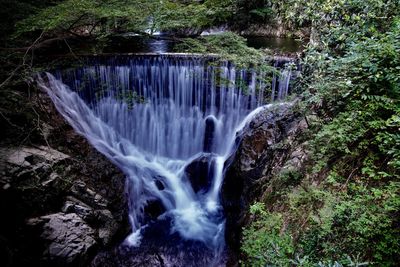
column 153, row 116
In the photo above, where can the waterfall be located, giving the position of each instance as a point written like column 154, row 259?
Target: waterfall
column 214, row 30
column 153, row 116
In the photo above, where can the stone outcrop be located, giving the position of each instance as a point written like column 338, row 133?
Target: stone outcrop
column 83, row 220
column 28, row 156
column 72, row 235
column 27, row 162
column 61, row 201
column 69, row 239
column 266, row 147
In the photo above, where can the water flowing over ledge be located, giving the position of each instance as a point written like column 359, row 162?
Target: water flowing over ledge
column 153, row 116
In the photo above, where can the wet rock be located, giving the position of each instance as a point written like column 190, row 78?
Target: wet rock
column 83, row 192
column 153, row 209
column 101, row 220
column 51, row 179
column 73, row 205
column 264, row 150
column 70, row 239
column 160, row 247
column 73, row 181
column 36, row 180
column 159, row 184
column 296, row 159
column 20, row 165
column 199, row 171
column 211, row 122
column 107, row 226
column 29, row 156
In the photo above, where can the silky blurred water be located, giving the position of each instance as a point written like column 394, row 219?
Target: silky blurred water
column 153, row 116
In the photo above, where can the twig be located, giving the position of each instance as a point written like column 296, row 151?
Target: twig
column 76, row 21
column 37, row 44
column 70, row 49
column 11, row 76
column 308, row 125
column 349, row 177
column 33, row 44
column 9, row 122
column 23, row 61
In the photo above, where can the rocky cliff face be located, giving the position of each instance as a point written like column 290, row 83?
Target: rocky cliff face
column 61, row 201
column 268, row 146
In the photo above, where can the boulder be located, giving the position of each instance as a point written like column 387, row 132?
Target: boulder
column 210, row 122
column 153, row 209
column 75, row 184
column 199, row 172
column 30, row 156
column 73, row 205
column 72, row 236
column 70, row 239
column 19, row 165
column 107, row 226
column 82, row 191
column 266, row 146
column 98, row 217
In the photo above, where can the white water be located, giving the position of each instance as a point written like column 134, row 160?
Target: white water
column 214, row 31
column 186, row 113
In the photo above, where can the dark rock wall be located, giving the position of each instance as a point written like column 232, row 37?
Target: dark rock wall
column 266, row 147
column 61, row 201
